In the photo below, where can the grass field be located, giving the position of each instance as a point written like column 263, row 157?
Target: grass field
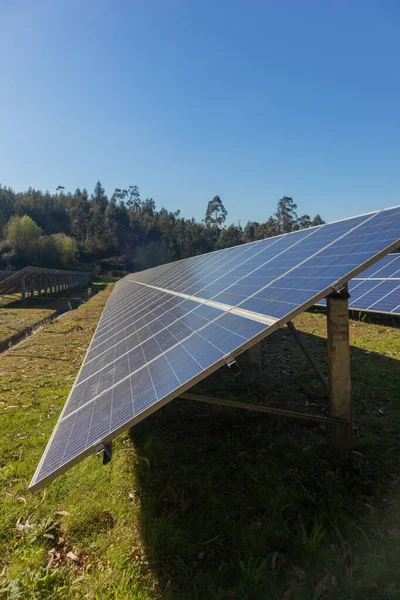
column 205, row 502
column 16, row 317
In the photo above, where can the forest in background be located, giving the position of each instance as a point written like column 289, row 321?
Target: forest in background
column 122, row 233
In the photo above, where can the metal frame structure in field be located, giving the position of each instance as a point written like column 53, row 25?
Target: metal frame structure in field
column 377, row 289
column 165, row 329
column 44, row 282
column 5, row 274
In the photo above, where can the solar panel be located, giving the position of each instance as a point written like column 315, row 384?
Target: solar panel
column 165, row 329
column 11, row 284
column 377, row 289
column 5, row 274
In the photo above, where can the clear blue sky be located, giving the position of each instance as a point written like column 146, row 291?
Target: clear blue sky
column 189, row 99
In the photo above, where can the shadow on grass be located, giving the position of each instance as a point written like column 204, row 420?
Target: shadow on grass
column 249, row 506
column 35, row 356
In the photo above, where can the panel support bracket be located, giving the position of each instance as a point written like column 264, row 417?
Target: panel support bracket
column 340, row 293
column 106, row 451
column 233, row 365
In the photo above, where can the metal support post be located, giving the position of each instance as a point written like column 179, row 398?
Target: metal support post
column 39, row 288
column 23, row 294
column 46, row 286
column 339, row 369
column 33, row 289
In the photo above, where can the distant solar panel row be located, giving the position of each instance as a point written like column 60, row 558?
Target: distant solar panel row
column 5, row 274
column 165, row 329
column 12, row 283
column 378, row 289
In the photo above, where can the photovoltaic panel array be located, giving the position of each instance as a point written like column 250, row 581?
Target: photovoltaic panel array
column 165, row 329
column 377, row 289
column 5, row 274
column 10, row 283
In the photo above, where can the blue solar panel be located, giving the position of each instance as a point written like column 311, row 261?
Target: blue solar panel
column 389, row 303
column 377, row 289
column 166, row 328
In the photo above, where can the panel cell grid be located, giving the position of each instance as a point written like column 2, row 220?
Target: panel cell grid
column 377, row 289
column 166, row 328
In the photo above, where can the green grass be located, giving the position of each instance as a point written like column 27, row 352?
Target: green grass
column 206, row 502
column 16, row 317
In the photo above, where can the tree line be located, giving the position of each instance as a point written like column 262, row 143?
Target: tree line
column 121, row 233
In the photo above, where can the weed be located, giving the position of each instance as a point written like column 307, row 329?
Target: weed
column 37, row 585
column 311, row 541
column 44, row 529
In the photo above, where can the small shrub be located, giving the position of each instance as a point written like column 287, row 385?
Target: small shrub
column 36, row 584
